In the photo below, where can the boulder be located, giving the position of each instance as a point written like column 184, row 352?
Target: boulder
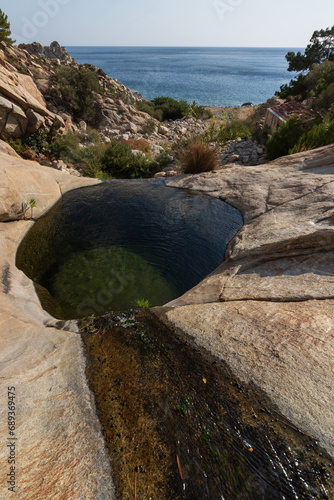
column 163, row 130
column 7, row 149
column 35, row 121
column 131, row 127
column 233, row 158
column 16, row 124
column 82, row 125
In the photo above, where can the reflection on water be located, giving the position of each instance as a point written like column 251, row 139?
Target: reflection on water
column 102, row 248
column 182, row 427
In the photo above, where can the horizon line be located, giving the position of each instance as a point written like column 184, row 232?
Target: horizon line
column 191, row 46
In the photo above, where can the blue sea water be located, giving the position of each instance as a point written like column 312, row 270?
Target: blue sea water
column 216, row 76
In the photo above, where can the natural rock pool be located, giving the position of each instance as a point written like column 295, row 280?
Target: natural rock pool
column 177, row 424
column 103, row 248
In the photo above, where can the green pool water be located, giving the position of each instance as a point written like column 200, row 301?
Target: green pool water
column 95, row 280
column 103, row 248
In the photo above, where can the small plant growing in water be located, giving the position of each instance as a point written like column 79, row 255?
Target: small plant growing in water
column 143, row 303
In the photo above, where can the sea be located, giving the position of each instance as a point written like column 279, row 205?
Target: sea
column 217, row 76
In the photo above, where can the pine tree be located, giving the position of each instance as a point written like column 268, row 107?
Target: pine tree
column 5, row 31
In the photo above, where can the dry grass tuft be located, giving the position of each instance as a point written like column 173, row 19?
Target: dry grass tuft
column 197, row 157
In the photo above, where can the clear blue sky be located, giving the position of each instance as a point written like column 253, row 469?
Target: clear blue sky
column 216, row 23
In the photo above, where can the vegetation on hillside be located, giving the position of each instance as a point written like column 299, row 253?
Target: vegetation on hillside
column 77, row 86
column 315, row 84
column 319, row 50
column 5, row 31
column 166, row 108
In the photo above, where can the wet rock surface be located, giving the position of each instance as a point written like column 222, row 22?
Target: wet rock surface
column 178, row 424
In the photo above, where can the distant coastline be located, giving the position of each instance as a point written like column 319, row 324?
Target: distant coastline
column 212, row 76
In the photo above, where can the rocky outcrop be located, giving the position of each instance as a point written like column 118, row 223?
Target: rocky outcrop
column 268, row 309
column 54, row 53
column 22, row 106
column 60, row 448
column 34, row 68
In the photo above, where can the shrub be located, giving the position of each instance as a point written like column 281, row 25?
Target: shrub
column 90, row 160
column 197, row 111
column 237, row 128
column 198, row 157
column 66, row 147
column 162, row 160
column 319, row 135
column 171, row 109
column 284, row 138
column 149, row 126
column 326, row 98
column 149, row 108
column 77, row 87
column 118, row 161
column 16, row 144
column 39, row 142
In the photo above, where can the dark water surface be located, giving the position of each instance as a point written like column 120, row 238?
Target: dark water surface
column 102, row 248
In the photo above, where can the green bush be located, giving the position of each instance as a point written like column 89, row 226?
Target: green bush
column 90, row 160
column 39, row 141
column 77, row 87
column 245, row 129
column 149, row 108
column 166, row 108
column 198, row 111
column 118, row 161
column 16, row 144
column 284, row 138
column 149, row 126
column 171, row 109
column 319, row 135
column 325, row 99
column 198, row 157
column 66, row 147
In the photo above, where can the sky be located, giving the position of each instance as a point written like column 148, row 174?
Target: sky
column 183, row 23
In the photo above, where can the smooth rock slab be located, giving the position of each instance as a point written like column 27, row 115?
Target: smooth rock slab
column 286, row 349
column 274, row 323
column 60, row 449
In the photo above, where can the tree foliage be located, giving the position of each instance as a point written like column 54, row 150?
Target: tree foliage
column 5, row 31
column 320, row 48
column 77, row 87
column 284, row 138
